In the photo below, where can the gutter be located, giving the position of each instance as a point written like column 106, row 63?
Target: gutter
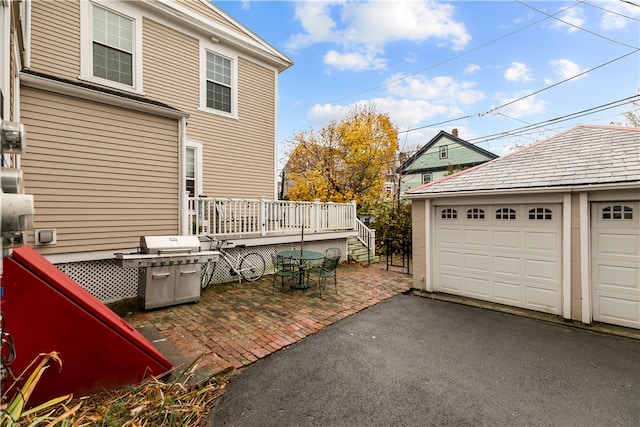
column 90, row 94
column 527, row 190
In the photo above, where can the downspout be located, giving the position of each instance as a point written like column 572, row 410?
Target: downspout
column 27, row 34
column 182, row 190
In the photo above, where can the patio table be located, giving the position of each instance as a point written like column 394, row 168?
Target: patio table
column 302, row 257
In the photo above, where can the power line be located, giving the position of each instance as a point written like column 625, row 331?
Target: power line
column 422, row 70
column 613, row 12
column 577, row 26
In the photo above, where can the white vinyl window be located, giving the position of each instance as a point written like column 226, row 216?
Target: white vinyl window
column 111, row 44
column 219, row 76
column 193, row 168
column 444, row 152
column 218, row 82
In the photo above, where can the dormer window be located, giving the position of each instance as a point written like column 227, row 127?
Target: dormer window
column 444, row 152
column 426, row 177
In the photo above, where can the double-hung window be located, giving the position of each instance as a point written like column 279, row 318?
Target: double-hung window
column 218, row 82
column 111, row 44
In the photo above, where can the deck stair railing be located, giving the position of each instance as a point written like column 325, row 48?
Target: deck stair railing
column 225, row 217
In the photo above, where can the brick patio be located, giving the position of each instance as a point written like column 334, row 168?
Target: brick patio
column 235, row 324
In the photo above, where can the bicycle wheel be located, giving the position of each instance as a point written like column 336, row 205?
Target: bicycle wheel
column 252, row 267
column 206, row 273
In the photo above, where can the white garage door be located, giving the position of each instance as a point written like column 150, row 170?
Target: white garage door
column 509, row 254
column 615, row 250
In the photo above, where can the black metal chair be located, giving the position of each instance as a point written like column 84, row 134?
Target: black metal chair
column 284, row 268
column 327, row 269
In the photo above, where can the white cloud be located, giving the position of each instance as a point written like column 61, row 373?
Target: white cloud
column 441, row 89
column 616, row 17
column 574, row 16
column 525, row 107
column 518, row 72
column 565, row 68
column 366, row 27
column 354, row 61
column 403, row 112
column 471, row 69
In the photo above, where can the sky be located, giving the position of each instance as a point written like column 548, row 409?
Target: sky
column 504, row 73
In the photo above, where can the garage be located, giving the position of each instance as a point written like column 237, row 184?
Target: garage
column 507, row 254
column 553, row 227
column 615, row 262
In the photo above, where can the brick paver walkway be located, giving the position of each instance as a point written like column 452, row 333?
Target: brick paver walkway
column 235, row 324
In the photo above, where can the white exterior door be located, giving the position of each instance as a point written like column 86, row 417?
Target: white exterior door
column 508, row 254
column 615, row 261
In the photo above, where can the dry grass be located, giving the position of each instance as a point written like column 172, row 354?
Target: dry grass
column 179, row 402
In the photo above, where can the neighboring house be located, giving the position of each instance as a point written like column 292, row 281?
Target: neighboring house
column 445, row 153
column 554, row 227
column 130, row 107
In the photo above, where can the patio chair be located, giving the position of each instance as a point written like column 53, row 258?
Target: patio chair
column 284, row 268
column 333, row 252
column 327, row 269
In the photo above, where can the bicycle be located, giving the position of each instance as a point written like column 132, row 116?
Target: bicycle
column 249, row 267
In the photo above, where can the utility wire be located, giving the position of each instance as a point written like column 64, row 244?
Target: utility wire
column 577, row 26
column 452, row 58
column 611, row 11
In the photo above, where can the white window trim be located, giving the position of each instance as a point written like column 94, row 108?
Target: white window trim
column 222, row 51
column 5, row 36
column 443, row 152
column 197, row 146
column 86, row 44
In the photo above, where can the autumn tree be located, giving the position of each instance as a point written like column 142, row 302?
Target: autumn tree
column 345, row 160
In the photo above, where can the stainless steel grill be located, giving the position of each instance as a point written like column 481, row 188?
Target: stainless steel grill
column 168, row 269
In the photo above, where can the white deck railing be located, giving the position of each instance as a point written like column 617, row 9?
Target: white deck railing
column 261, row 217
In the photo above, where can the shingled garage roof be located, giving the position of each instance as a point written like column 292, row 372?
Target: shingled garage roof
column 584, row 155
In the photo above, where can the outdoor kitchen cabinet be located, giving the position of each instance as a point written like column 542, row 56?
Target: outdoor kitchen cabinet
column 166, row 285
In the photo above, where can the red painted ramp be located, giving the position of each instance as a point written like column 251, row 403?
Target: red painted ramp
column 46, row 311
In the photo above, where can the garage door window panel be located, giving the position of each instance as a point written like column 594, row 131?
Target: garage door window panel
column 540, row 214
column 475, row 213
column 449, row 213
column 506, row 213
column 617, row 212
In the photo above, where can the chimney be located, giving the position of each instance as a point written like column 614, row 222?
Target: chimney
column 454, row 132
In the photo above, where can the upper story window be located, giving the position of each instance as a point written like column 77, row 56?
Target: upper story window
column 475, row 213
column 506, row 213
column 449, row 213
column 426, row 177
column 219, row 77
column 444, row 152
column 111, row 44
column 617, row 212
column 540, row 213
column 218, row 82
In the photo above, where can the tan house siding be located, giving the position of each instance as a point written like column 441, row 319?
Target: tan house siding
column 55, row 49
column 419, row 243
column 171, row 66
column 201, row 8
column 239, row 154
column 576, row 277
column 101, row 175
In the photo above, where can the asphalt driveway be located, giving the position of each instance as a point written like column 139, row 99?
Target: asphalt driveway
column 413, row 361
